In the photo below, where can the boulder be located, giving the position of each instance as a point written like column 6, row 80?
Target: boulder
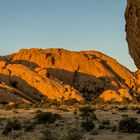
column 111, row 95
column 116, row 96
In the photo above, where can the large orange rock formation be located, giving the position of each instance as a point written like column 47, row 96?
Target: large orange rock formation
column 33, row 85
column 75, row 67
column 56, row 73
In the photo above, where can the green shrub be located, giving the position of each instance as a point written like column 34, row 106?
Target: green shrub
column 7, row 130
column 11, row 125
column 46, row 117
column 105, row 124
column 129, row 125
column 88, row 125
column 114, row 128
column 106, row 121
column 87, row 113
column 15, row 124
column 28, row 126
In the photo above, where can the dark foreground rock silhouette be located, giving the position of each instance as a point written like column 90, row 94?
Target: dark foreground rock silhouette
column 132, row 16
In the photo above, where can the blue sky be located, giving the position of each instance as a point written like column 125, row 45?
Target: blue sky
column 70, row 24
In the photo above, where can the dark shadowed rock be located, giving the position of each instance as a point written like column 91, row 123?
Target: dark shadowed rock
column 132, row 16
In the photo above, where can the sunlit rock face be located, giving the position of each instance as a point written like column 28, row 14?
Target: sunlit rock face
column 79, row 69
column 132, row 16
column 32, row 86
column 116, row 96
column 89, row 72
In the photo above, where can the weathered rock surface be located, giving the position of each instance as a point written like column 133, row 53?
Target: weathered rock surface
column 33, row 85
column 111, row 95
column 10, row 94
column 76, row 68
column 90, row 72
column 7, row 94
column 116, row 96
column 132, row 16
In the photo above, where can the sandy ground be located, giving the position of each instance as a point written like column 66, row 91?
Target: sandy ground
column 61, row 127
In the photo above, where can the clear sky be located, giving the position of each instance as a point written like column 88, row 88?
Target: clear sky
column 70, row 24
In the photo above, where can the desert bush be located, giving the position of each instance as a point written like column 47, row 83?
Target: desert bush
column 105, row 121
column 15, row 124
column 88, row 116
column 87, row 125
column 35, row 105
column 87, row 113
column 16, row 135
column 124, row 108
column 129, row 125
column 48, row 103
column 53, row 102
column 70, row 101
column 105, row 124
column 125, row 115
column 73, row 134
column 94, row 132
column 22, row 106
column 46, row 117
column 75, row 112
column 47, row 135
column 11, row 125
column 88, row 97
column 138, row 111
column 28, row 126
column 101, row 126
column 114, row 128
column 7, row 130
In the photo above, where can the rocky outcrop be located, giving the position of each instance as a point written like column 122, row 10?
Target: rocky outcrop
column 83, row 70
column 33, row 85
column 116, row 96
column 9, row 94
column 132, row 16
column 111, row 95
column 90, row 72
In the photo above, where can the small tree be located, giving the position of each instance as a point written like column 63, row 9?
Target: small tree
column 88, row 116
